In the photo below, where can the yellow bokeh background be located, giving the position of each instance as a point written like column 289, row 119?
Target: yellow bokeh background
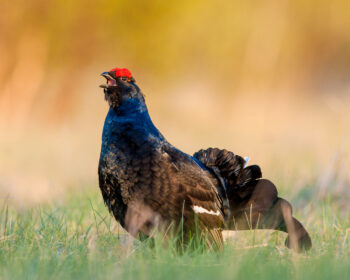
column 268, row 79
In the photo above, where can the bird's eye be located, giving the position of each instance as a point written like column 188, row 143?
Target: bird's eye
column 124, row 78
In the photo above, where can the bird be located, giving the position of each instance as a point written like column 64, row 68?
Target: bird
column 148, row 184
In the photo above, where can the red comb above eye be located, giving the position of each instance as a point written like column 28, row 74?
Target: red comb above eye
column 121, row 72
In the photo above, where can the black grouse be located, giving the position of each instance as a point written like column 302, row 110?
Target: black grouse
column 149, row 184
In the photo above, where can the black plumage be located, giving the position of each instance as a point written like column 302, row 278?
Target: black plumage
column 147, row 183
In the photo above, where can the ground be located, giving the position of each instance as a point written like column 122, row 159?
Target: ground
column 76, row 238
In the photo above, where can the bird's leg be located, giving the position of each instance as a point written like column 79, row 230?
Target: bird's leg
column 261, row 208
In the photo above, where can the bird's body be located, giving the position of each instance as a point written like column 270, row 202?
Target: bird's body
column 138, row 165
column 147, row 183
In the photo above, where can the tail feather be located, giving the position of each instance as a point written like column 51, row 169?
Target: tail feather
column 231, row 167
column 248, row 174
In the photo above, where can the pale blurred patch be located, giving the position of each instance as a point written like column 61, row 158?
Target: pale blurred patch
column 267, row 80
column 295, row 141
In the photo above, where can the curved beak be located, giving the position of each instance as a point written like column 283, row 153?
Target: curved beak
column 107, row 75
column 110, row 80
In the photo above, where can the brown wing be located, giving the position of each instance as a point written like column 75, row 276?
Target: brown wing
column 175, row 188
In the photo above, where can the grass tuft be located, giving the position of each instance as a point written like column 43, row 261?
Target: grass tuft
column 78, row 239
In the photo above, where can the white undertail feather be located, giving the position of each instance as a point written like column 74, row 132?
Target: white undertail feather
column 201, row 210
column 247, row 159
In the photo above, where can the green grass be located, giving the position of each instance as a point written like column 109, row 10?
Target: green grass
column 77, row 239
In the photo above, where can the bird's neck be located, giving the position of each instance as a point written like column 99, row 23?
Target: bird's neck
column 131, row 106
column 132, row 113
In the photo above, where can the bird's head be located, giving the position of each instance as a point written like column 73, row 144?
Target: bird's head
column 120, row 85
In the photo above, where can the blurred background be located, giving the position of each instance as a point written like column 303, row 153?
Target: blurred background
column 265, row 79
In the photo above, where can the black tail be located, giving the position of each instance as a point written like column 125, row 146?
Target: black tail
column 231, row 167
column 250, row 202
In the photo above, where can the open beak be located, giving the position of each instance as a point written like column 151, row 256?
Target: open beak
column 111, row 82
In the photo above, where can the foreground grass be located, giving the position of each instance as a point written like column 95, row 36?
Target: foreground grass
column 78, row 239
